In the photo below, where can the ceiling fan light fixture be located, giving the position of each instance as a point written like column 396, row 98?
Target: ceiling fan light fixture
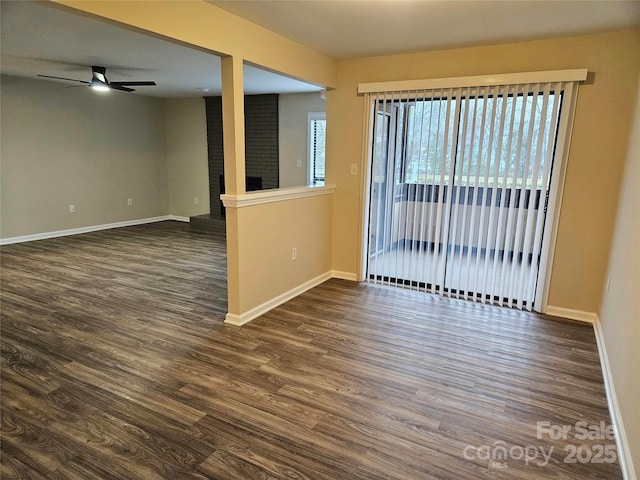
column 98, row 87
column 99, row 81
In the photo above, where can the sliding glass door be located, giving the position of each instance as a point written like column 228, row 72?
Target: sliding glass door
column 459, row 188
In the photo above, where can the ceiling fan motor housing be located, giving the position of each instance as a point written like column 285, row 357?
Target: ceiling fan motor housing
column 98, row 77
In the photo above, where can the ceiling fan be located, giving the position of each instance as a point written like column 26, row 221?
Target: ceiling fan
column 100, row 82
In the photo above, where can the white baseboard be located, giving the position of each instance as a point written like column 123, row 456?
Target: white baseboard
column 344, row 275
column 624, row 452
column 589, row 317
column 243, row 318
column 178, row 218
column 77, row 231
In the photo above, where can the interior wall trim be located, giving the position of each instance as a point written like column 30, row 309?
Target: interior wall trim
column 244, row 318
column 624, row 451
column 580, row 315
column 91, row 228
column 274, row 195
column 344, row 275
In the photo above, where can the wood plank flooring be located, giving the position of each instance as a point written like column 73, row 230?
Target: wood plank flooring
column 116, row 365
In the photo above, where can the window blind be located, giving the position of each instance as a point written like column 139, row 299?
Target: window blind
column 461, row 180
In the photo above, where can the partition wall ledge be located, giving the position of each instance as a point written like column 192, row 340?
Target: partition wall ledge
column 276, row 195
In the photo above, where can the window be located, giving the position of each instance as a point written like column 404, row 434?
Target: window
column 317, row 139
column 486, row 140
column 425, row 140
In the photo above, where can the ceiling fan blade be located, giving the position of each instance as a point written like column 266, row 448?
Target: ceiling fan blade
column 140, row 84
column 121, row 88
column 62, row 78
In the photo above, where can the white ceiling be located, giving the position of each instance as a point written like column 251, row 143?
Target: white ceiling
column 38, row 39
column 360, row 28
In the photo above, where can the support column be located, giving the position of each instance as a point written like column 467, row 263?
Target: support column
column 234, row 170
column 233, row 125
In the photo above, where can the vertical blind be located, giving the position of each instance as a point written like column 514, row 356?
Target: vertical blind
column 460, row 183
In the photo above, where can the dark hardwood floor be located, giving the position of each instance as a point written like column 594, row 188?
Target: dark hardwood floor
column 116, row 365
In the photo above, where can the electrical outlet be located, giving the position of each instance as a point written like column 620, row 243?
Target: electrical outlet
column 294, row 253
column 299, row 163
column 196, row 201
column 129, row 201
column 354, row 169
column 72, row 208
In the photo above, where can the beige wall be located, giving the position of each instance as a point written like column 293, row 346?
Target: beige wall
column 266, row 235
column 185, row 144
column 64, row 146
column 597, row 153
column 620, row 312
column 293, row 123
